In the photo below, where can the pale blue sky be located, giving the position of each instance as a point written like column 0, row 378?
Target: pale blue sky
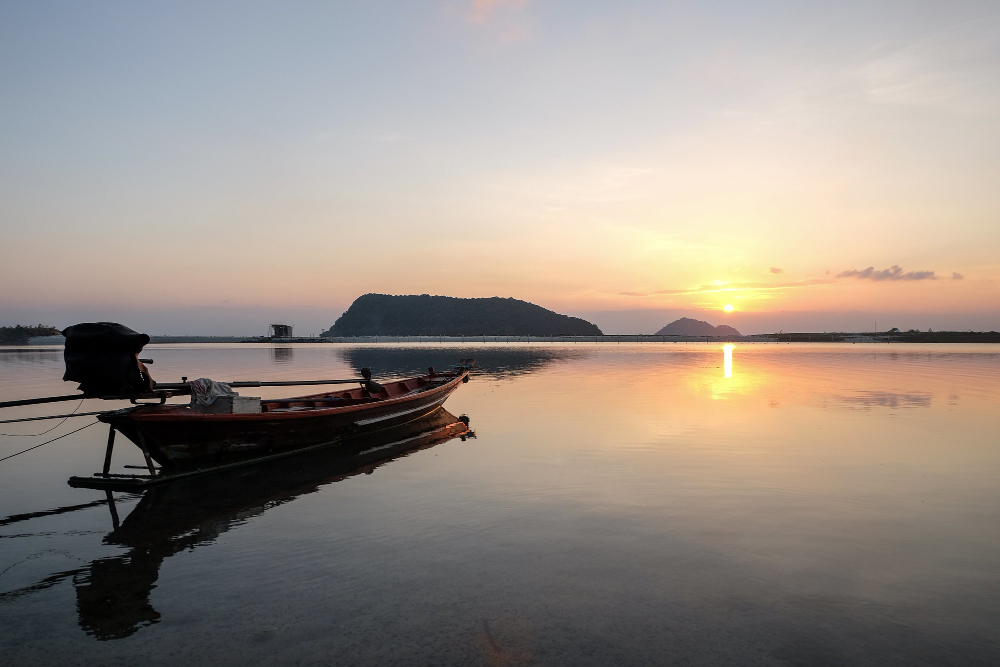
column 255, row 160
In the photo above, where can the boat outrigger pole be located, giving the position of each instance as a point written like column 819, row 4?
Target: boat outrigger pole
column 167, row 389
column 47, row 399
column 180, row 388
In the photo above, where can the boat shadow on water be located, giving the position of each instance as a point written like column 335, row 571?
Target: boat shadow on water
column 113, row 594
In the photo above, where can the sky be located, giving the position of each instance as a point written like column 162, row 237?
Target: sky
column 209, row 168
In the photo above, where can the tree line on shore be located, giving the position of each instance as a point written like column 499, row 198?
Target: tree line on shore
column 20, row 334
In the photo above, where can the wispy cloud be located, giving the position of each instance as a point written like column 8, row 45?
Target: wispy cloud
column 763, row 289
column 732, row 287
column 483, row 10
column 953, row 68
column 894, row 272
column 379, row 137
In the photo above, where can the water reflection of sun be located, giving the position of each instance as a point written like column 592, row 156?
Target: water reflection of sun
column 729, row 380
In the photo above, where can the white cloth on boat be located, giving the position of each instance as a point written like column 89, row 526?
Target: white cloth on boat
column 205, row 391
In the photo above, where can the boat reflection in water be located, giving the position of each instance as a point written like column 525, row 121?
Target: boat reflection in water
column 494, row 362
column 113, row 594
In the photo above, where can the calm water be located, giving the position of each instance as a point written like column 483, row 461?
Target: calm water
column 622, row 505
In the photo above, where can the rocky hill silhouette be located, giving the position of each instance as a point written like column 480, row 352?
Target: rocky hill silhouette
column 426, row 315
column 689, row 327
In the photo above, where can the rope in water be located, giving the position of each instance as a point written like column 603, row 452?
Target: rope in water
column 48, row 441
column 35, row 435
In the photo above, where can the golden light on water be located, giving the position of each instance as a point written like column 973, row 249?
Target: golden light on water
column 728, row 308
column 727, row 352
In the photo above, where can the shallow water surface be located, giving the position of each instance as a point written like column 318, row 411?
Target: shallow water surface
column 632, row 504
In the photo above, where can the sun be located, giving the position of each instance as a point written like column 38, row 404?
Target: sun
column 728, row 308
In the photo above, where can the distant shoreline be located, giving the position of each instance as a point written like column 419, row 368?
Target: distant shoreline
column 781, row 337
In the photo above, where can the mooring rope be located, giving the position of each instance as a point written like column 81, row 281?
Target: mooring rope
column 36, row 419
column 48, row 441
column 35, row 435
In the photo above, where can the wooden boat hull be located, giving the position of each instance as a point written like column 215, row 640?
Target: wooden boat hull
column 176, row 436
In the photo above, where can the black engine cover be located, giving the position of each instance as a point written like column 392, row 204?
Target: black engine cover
column 102, row 357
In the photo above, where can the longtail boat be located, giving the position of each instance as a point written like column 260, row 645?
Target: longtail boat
column 178, row 436
column 194, row 439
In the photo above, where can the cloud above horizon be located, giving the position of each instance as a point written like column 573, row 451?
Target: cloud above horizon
column 894, row 272
column 731, row 287
column 482, row 10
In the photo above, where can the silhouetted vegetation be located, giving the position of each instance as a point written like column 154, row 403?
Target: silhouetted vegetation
column 19, row 335
column 893, row 336
column 425, row 315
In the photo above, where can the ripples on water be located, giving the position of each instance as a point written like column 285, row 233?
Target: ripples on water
column 623, row 504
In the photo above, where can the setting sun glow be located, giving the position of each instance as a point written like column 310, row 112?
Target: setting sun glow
column 728, row 308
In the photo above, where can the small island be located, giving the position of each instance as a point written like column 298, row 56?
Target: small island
column 426, row 315
column 689, row 327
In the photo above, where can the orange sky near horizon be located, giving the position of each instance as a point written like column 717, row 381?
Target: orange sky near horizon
column 580, row 156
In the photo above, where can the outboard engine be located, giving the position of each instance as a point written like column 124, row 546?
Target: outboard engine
column 103, row 358
column 371, row 386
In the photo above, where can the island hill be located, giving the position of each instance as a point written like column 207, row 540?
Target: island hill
column 426, row 315
column 688, row 327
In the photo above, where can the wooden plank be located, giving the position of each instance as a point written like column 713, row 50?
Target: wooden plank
column 114, row 481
